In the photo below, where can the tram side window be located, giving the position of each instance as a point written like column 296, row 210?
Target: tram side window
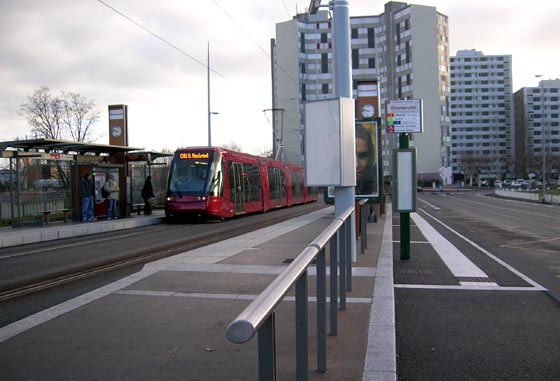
column 282, row 182
column 272, row 180
column 253, row 189
column 217, row 183
column 296, row 183
column 247, row 178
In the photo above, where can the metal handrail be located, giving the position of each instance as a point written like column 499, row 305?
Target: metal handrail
column 248, row 322
column 259, row 315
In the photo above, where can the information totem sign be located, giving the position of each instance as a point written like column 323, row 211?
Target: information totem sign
column 118, row 125
column 118, row 136
column 404, row 116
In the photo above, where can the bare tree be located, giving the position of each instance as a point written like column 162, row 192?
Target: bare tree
column 55, row 117
column 43, row 112
column 264, row 152
column 79, row 117
column 232, row 146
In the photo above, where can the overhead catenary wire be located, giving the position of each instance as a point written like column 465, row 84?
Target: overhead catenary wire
column 254, row 41
column 161, row 38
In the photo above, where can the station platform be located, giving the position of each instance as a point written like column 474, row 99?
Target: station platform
column 10, row 236
column 168, row 321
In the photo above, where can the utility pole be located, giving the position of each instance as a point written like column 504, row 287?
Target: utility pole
column 543, row 143
column 209, row 109
column 344, row 196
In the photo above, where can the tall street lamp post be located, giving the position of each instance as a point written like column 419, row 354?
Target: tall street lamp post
column 543, row 143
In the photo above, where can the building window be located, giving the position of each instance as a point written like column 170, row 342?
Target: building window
column 302, row 42
column 303, row 68
column 408, row 52
column 325, row 88
column 324, row 63
column 303, row 97
column 324, row 38
column 354, row 33
column 355, row 59
column 371, row 63
column 371, row 38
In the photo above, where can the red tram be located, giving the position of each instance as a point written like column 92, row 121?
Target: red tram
column 219, row 183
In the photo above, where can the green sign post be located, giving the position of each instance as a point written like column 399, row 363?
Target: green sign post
column 404, row 117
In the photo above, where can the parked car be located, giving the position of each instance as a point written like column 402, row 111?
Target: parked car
column 46, row 184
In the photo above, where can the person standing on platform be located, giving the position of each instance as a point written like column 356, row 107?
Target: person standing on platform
column 147, row 194
column 112, row 189
column 86, row 188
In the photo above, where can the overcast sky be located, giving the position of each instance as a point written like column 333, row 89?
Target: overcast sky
column 85, row 47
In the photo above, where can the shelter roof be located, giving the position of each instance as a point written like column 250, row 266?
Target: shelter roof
column 147, row 155
column 63, row 146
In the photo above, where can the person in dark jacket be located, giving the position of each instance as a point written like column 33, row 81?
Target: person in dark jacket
column 147, row 194
column 86, row 188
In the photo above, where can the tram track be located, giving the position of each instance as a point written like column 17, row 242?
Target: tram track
column 140, row 257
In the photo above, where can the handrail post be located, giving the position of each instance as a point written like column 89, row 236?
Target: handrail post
column 349, row 253
column 362, row 228
column 267, row 349
column 302, row 350
column 321, row 312
column 342, row 266
column 366, row 218
column 333, row 281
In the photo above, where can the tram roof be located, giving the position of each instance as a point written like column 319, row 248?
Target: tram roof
column 63, row 146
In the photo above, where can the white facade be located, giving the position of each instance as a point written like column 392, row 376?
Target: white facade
column 481, row 114
column 537, row 127
column 405, row 49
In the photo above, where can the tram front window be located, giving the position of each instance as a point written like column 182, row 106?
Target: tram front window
column 190, row 176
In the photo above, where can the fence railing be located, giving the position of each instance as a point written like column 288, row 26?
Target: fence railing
column 259, row 316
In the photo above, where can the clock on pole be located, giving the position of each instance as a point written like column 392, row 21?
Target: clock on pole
column 367, row 110
column 116, row 131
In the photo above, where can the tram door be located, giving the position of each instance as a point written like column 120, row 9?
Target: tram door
column 280, row 186
column 237, row 184
column 297, row 191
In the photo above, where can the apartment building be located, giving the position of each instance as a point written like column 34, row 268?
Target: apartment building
column 404, row 52
column 537, row 129
column 481, row 115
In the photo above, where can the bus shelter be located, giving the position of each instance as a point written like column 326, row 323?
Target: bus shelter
column 148, row 163
column 43, row 179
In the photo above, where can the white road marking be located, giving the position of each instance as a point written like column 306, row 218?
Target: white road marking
column 490, row 255
column 430, row 205
column 471, row 286
column 456, row 261
column 224, row 296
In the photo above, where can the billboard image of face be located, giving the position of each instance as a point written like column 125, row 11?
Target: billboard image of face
column 366, row 159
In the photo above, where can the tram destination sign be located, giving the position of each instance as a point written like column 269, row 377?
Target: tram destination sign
column 404, row 116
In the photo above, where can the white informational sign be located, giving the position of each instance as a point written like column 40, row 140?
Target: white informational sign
column 404, row 116
column 405, row 184
column 330, row 157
